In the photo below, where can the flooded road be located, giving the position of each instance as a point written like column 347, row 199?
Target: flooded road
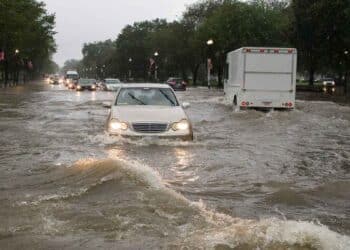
column 249, row 180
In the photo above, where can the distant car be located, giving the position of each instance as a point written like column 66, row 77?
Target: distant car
column 148, row 110
column 177, row 83
column 328, row 82
column 83, row 83
column 111, row 84
column 54, row 80
column 71, row 79
column 61, row 80
column 71, row 84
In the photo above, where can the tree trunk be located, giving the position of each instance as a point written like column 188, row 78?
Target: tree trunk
column 6, row 69
column 220, row 83
column 195, row 74
column 311, row 75
column 347, row 84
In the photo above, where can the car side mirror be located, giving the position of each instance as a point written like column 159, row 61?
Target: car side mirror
column 186, row 105
column 107, row 105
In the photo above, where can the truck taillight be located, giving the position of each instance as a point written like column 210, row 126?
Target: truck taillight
column 290, row 51
column 287, row 104
column 243, row 103
column 248, row 50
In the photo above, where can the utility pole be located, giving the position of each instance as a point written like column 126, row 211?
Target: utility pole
column 210, row 42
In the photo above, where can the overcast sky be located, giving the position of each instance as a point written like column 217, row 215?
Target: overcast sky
column 81, row 21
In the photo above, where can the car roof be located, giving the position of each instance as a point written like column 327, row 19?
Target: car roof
column 146, row 85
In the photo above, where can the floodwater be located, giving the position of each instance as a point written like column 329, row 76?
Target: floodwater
column 249, row 180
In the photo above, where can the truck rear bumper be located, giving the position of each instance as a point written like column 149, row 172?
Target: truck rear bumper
column 279, row 105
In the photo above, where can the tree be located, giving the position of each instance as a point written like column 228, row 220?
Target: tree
column 193, row 18
column 322, row 41
column 96, row 60
column 137, row 42
column 237, row 24
column 26, row 35
column 71, row 64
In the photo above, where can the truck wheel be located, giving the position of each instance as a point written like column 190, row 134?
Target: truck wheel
column 235, row 106
column 235, row 101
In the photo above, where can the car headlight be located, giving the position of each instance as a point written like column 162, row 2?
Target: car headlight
column 118, row 125
column 93, row 86
column 324, row 83
column 333, row 83
column 78, row 87
column 181, row 125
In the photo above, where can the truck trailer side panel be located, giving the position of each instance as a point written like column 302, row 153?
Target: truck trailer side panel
column 262, row 77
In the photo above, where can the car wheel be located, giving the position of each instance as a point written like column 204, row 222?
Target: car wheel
column 235, row 104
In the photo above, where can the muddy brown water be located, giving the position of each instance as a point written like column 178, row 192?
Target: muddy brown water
column 249, row 180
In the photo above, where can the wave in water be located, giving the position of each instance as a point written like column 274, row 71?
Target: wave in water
column 201, row 228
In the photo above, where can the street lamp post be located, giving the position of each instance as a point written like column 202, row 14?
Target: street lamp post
column 130, row 62
column 17, row 65
column 210, row 42
column 156, row 54
column 346, row 84
column 104, row 71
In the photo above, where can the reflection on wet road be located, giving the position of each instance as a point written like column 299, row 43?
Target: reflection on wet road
column 244, row 183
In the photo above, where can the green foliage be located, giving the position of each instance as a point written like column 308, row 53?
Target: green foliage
column 71, row 64
column 182, row 44
column 97, row 59
column 317, row 28
column 321, row 33
column 26, row 26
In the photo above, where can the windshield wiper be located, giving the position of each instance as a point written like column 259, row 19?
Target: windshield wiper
column 136, row 99
column 167, row 97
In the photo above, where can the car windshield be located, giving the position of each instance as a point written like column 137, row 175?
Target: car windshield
column 146, row 96
column 112, row 81
column 86, row 81
column 74, row 77
column 174, row 79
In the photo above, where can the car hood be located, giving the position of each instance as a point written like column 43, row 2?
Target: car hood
column 86, row 84
column 113, row 85
column 148, row 114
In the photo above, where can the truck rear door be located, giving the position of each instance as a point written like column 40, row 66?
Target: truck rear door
column 269, row 70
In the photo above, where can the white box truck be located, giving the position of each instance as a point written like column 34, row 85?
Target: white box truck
column 261, row 77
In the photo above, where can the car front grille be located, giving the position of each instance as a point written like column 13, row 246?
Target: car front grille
column 151, row 128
